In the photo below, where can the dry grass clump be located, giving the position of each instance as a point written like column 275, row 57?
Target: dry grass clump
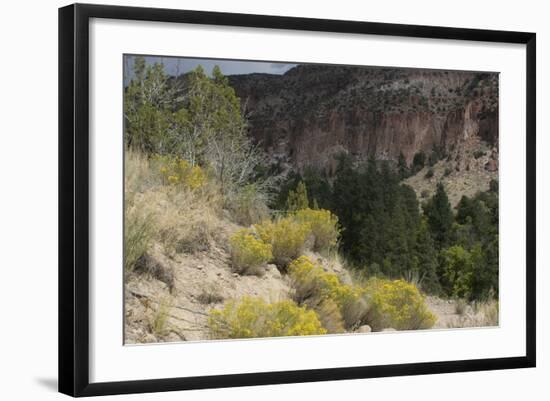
column 138, row 232
column 481, row 314
column 181, row 213
column 186, row 221
column 248, row 206
column 157, row 324
column 147, row 264
column 210, row 294
column 461, row 306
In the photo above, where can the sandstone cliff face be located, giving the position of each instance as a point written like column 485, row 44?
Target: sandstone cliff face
column 312, row 113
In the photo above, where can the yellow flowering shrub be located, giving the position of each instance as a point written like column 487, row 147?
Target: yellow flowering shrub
column 248, row 253
column 397, row 304
column 253, row 317
column 286, row 236
column 324, row 226
column 317, row 288
column 178, row 171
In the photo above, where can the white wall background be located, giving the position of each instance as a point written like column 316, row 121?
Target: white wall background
column 28, row 200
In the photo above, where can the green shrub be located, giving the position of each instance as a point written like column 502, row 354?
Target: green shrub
column 248, row 253
column 397, row 304
column 429, row 173
column 318, row 289
column 253, row 317
column 286, row 236
column 462, row 270
column 324, row 227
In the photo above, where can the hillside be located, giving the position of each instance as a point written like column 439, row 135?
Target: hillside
column 463, row 174
column 265, row 206
column 311, row 113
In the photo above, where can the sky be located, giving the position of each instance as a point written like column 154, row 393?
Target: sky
column 177, row 65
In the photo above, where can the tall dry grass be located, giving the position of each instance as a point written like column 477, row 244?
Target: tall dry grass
column 478, row 314
column 179, row 218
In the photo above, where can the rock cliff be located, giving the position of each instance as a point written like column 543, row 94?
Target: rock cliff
column 314, row 112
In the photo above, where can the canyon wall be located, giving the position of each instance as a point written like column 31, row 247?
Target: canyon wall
column 314, row 112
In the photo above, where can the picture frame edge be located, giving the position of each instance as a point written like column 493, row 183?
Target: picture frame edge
column 73, row 206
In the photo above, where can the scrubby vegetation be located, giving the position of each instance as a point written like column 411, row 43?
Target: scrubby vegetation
column 379, row 303
column 323, row 291
column 323, row 225
column 286, row 236
column 385, row 232
column 253, row 317
column 397, row 304
column 196, row 185
column 248, row 253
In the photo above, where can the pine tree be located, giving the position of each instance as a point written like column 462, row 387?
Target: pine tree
column 402, row 167
column 425, row 259
column 297, row 200
column 440, row 216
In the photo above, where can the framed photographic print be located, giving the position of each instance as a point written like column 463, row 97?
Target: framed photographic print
column 249, row 199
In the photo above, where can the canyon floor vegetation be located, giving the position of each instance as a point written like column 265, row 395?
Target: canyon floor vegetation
column 221, row 241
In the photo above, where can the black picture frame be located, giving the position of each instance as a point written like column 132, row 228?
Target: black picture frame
column 74, row 198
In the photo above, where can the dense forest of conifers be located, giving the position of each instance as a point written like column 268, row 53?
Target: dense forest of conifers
column 385, row 231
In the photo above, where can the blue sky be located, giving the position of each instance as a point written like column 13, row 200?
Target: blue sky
column 175, row 65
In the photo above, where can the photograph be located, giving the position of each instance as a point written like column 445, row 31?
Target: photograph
column 271, row 199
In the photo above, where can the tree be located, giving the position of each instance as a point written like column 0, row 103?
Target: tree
column 439, row 215
column 419, row 160
column 425, row 259
column 457, row 271
column 147, row 107
column 298, row 199
column 464, row 273
column 198, row 118
column 402, row 167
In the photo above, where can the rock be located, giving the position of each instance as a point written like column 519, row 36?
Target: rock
column 219, row 274
column 273, row 271
column 491, row 165
column 342, row 116
column 235, row 275
column 364, row 329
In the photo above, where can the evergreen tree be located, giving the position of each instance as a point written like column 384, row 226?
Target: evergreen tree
column 402, row 167
column 425, row 259
column 419, row 160
column 146, row 107
column 318, row 187
column 346, row 201
column 298, row 199
column 440, row 216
